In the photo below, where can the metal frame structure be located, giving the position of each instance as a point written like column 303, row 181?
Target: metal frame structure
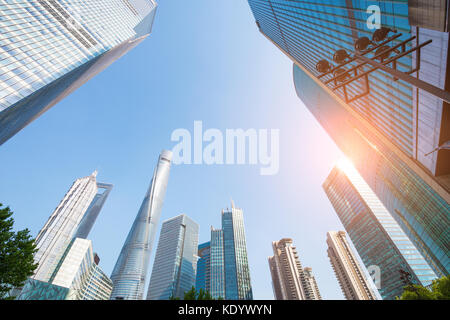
column 341, row 77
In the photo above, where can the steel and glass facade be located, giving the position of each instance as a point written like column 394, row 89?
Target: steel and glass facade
column 77, row 276
column 49, row 48
column 387, row 133
column 237, row 273
column 229, row 274
column 203, row 279
column 130, row 272
column 377, row 237
column 175, row 267
column 217, row 265
column 62, row 225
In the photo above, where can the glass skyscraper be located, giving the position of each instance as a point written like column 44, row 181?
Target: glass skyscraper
column 131, row 268
column 175, row 267
column 377, row 237
column 203, row 279
column 389, row 132
column 229, row 274
column 77, row 276
column 81, row 203
column 217, row 265
column 49, row 48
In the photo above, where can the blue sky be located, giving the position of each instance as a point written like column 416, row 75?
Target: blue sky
column 204, row 61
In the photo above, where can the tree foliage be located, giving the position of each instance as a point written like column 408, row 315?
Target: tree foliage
column 193, row 294
column 16, row 254
column 440, row 290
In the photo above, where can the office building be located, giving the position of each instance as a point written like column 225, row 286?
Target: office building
column 350, row 274
column 377, row 237
column 49, row 48
column 224, row 268
column 130, row 272
column 175, row 267
column 82, row 203
column 203, row 279
column 77, row 276
column 290, row 281
column 393, row 130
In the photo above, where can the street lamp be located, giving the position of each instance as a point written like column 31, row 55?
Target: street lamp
column 373, row 55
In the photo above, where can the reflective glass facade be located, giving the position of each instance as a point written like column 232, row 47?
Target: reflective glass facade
column 217, row 265
column 203, row 279
column 40, row 290
column 386, row 133
column 376, row 236
column 229, row 271
column 77, row 276
column 130, row 272
column 93, row 211
column 61, row 227
column 237, row 273
column 48, row 48
column 175, row 267
column 420, row 211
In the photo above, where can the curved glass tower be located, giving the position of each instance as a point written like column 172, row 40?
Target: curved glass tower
column 130, row 271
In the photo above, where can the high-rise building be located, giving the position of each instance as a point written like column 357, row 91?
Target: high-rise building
column 77, row 276
column 203, row 279
column 386, row 125
column 217, row 264
column 377, row 237
column 351, row 277
column 130, row 272
column 236, row 270
column 311, row 280
column 93, row 211
column 175, row 267
column 224, row 268
column 290, row 281
column 81, row 203
column 49, row 48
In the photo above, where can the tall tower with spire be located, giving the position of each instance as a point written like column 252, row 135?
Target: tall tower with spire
column 227, row 274
column 130, row 271
column 61, row 227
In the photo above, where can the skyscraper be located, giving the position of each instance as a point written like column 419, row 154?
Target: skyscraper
column 175, row 267
column 61, row 227
column 386, row 125
column 203, row 279
column 290, row 281
column 217, row 264
column 131, row 268
column 351, row 276
column 49, row 48
column 77, row 276
column 377, row 237
column 227, row 276
column 93, row 211
column 311, row 280
column 237, row 273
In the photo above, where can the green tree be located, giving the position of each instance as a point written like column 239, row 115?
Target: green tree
column 16, row 254
column 194, row 295
column 440, row 290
